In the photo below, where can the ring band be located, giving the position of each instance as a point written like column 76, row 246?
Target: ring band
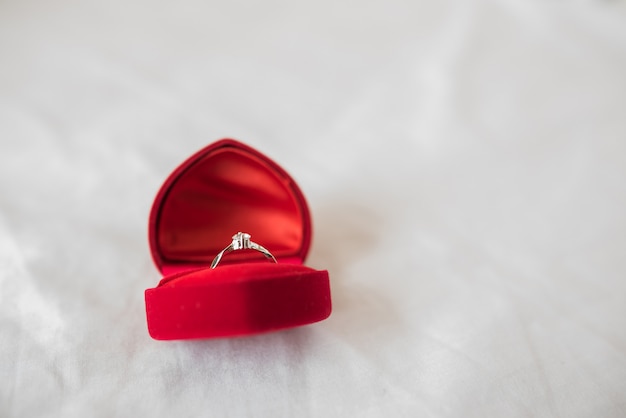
column 241, row 241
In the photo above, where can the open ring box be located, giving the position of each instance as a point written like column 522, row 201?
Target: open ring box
column 222, row 189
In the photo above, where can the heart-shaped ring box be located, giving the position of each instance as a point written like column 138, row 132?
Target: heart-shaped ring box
column 225, row 188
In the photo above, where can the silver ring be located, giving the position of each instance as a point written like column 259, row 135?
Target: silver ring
column 241, row 241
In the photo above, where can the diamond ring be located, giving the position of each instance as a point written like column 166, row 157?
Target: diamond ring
column 241, row 241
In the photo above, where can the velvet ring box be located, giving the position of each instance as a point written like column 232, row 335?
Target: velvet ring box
column 225, row 188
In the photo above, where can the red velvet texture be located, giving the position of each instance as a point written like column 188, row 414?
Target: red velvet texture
column 238, row 299
column 225, row 188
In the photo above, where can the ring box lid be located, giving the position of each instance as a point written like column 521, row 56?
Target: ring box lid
column 224, row 188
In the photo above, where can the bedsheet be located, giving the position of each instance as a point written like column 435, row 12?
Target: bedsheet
column 465, row 166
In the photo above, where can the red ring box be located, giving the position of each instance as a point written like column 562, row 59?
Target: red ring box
column 225, row 188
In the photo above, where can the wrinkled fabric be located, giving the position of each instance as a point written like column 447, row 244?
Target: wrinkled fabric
column 464, row 162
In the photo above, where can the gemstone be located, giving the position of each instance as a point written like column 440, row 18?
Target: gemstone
column 241, row 240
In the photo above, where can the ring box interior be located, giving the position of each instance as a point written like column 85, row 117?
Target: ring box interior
column 225, row 188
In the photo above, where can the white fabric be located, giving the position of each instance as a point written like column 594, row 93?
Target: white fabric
column 465, row 164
